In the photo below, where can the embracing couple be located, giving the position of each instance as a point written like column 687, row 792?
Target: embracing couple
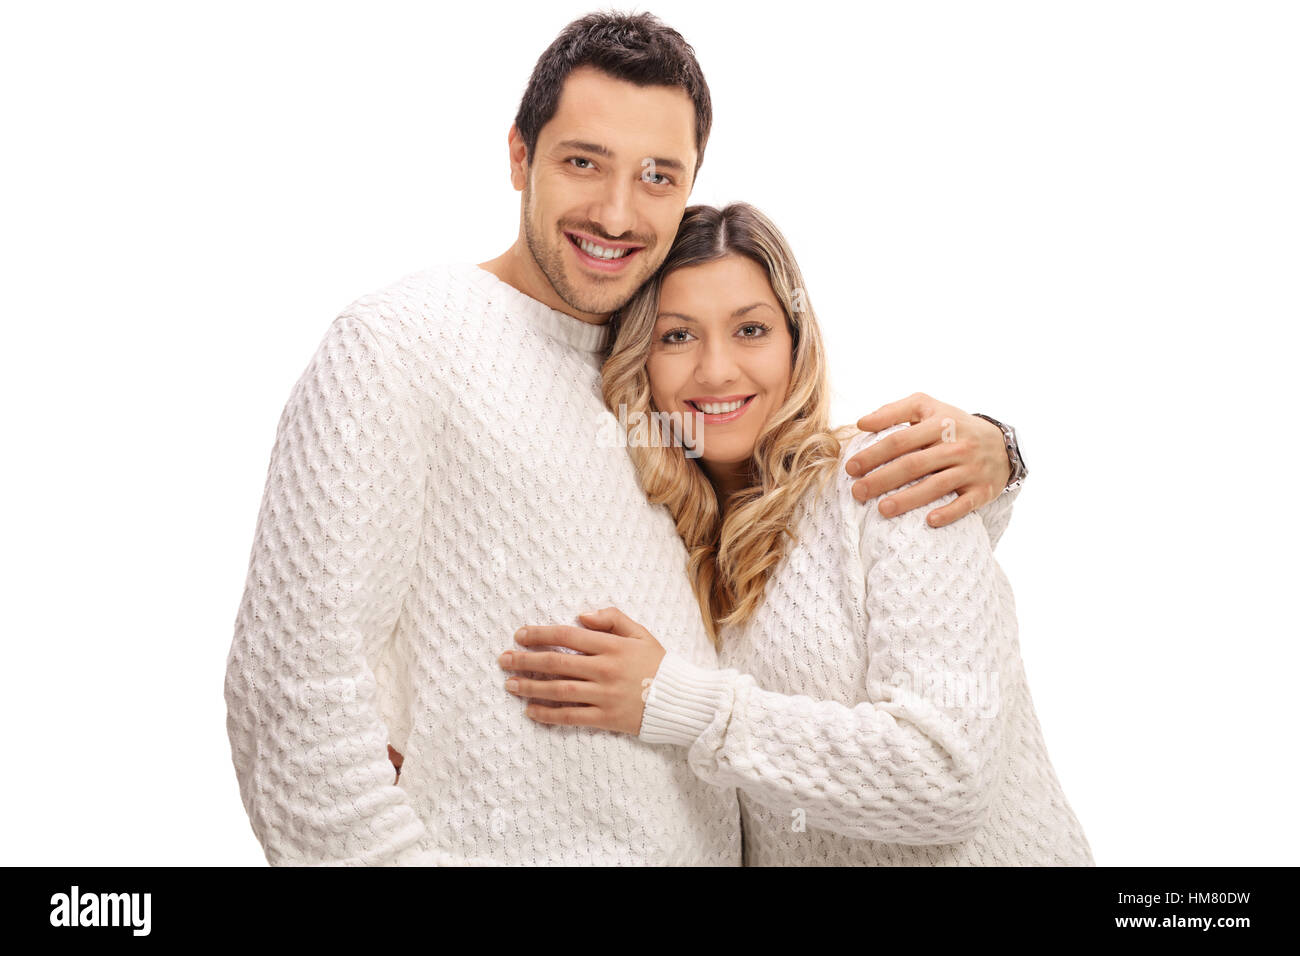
column 751, row 647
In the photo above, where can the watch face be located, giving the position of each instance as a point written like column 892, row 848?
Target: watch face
column 1021, row 468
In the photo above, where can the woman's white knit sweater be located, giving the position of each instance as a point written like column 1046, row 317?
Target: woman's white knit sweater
column 874, row 710
column 438, row 480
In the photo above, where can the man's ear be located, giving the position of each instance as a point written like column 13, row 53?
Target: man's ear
column 518, row 158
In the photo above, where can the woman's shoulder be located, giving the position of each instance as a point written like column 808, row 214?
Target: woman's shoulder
column 829, row 497
column 829, row 504
column 864, row 517
column 852, row 445
column 859, row 441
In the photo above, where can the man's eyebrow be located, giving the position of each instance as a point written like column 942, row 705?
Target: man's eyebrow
column 735, row 315
column 599, row 150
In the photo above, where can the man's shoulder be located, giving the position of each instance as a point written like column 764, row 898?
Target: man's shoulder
column 430, row 298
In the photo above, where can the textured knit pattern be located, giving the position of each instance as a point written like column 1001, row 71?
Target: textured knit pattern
column 874, row 710
column 438, row 481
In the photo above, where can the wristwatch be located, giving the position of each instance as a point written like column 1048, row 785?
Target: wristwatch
column 1019, row 472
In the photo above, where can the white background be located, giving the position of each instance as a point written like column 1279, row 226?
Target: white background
column 1078, row 217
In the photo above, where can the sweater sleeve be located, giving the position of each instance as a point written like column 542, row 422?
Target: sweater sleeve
column 914, row 762
column 333, row 551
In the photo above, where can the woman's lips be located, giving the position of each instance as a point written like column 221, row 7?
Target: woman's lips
column 601, row 265
column 725, row 416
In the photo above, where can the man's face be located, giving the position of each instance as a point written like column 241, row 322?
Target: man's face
column 613, row 168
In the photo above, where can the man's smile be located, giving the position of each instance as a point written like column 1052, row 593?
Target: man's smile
column 602, row 255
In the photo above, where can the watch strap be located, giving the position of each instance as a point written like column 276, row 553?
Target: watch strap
column 1019, row 471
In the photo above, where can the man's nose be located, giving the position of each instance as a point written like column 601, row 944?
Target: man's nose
column 613, row 212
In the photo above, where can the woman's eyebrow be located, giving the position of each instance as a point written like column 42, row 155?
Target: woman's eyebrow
column 690, row 318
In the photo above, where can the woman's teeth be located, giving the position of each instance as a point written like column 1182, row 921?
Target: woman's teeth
column 719, row 408
column 599, row 252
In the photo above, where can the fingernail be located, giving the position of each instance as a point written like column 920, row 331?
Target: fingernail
column 855, row 469
column 506, row 659
column 519, row 634
column 888, row 507
column 512, row 685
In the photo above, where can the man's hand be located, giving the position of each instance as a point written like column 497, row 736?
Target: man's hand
column 605, row 684
column 958, row 451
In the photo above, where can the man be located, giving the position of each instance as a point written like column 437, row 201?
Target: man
column 436, row 480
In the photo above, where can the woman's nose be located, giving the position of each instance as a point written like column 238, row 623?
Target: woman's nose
column 717, row 366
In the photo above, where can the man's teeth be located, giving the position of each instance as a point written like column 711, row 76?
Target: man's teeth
column 600, row 252
column 718, row 408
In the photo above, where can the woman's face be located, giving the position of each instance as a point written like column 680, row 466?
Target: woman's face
column 721, row 350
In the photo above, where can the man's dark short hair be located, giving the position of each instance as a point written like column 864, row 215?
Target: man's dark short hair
column 637, row 48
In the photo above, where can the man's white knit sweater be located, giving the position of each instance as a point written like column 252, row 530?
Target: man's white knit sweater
column 874, row 710
column 438, row 481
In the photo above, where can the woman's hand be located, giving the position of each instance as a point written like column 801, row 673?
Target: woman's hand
column 608, row 681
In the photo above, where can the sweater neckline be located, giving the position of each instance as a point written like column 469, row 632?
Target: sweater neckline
column 558, row 325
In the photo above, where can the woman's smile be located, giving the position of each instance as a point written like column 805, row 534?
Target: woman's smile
column 719, row 411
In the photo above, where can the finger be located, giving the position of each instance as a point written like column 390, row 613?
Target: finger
column 576, row 666
column 922, row 493
column 566, row 635
column 899, row 472
column 892, row 446
column 954, row 511
column 614, row 621
column 914, row 408
column 560, row 691
column 570, row 716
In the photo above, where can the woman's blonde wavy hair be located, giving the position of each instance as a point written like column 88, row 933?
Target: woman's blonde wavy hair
column 730, row 560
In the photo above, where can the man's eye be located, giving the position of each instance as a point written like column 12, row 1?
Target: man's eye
column 661, row 180
column 579, row 159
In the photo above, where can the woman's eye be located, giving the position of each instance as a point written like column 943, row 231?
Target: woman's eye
column 668, row 337
column 760, row 330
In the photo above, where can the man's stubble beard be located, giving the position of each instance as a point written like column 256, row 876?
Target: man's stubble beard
column 551, row 261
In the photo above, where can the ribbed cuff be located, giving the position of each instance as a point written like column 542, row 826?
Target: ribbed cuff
column 683, row 700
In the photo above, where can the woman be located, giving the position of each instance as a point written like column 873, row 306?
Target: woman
column 872, row 708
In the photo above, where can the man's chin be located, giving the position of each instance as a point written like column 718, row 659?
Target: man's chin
column 596, row 297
